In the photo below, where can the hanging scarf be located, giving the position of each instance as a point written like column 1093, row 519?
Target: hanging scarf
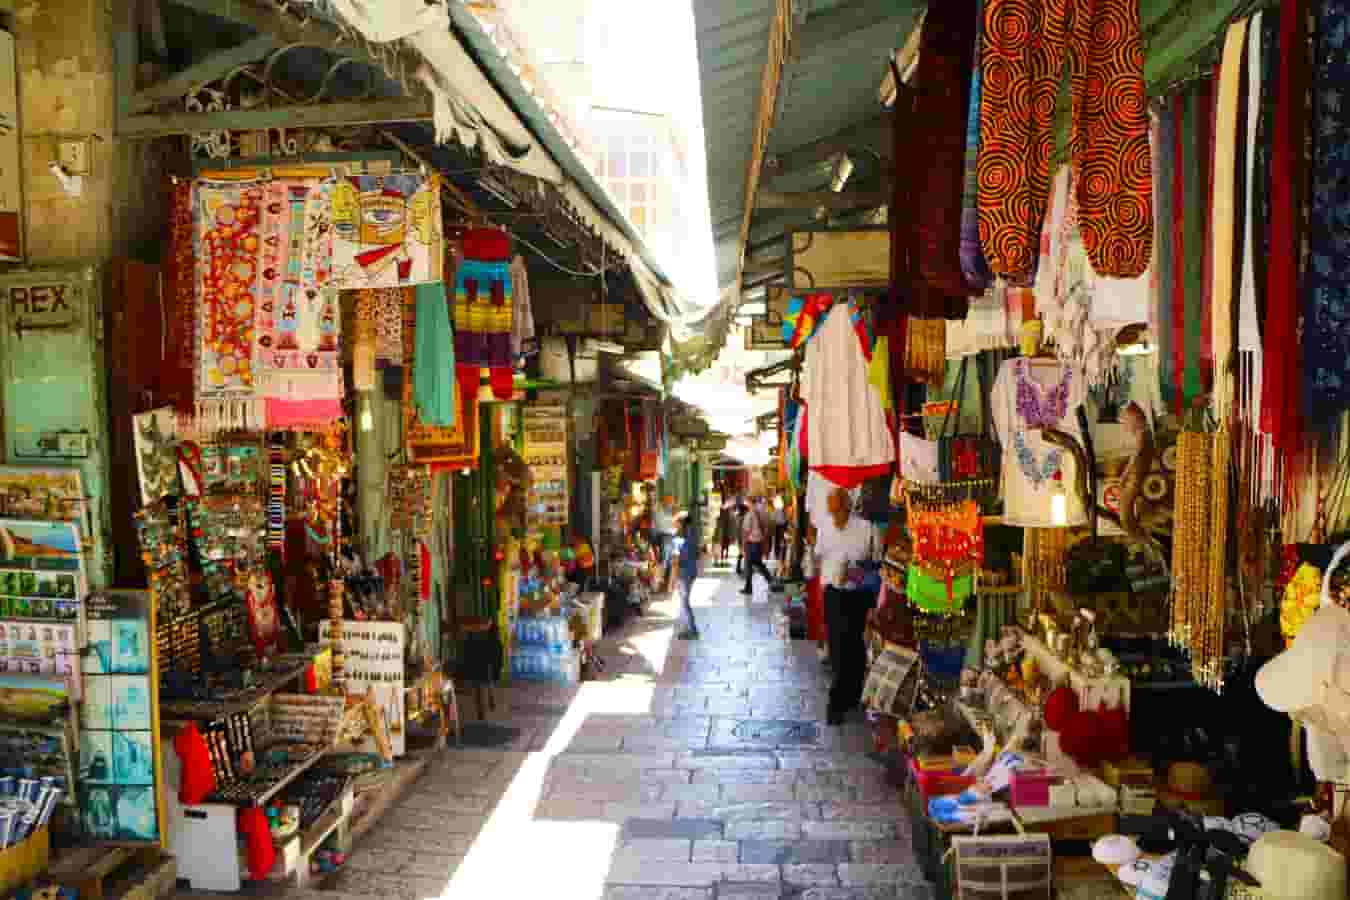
column 226, row 220
column 1193, row 211
column 973, row 264
column 803, row 317
column 1280, row 402
column 1179, row 273
column 1166, row 273
column 483, row 306
column 434, row 361
column 939, row 129
column 1326, row 294
column 179, row 299
column 297, row 321
column 1225, row 199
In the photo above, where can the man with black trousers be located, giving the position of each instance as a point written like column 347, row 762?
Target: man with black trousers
column 842, row 541
column 754, row 532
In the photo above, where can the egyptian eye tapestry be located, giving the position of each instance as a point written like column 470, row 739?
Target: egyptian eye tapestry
column 386, row 230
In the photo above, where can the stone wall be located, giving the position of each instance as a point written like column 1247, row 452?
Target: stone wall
column 67, row 90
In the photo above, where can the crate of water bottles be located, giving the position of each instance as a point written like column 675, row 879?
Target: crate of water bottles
column 543, row 664
column 542, row 650
column 547, row 632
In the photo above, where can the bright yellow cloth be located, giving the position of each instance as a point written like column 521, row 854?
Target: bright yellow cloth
column 1302, row 596
column 879, row 371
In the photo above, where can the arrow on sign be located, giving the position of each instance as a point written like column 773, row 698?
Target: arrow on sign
column 20, row 326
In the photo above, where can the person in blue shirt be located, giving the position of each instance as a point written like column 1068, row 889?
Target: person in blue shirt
column 687, row 547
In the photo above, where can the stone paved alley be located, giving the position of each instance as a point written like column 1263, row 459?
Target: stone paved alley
column 693, row 771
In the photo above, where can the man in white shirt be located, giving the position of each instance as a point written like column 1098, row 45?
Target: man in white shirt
column 842, row 541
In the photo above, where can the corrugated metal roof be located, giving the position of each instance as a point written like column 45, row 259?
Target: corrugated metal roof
column 829, row 83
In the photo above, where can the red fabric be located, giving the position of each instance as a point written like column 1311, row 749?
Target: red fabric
column 503, row 381
column 311, row 681
column 1280, row 378
column 815, row 611
column 425, row 586
column 1060, row 707
column 487, row 245
column 1179, row 282
column 198, row 779
column 852, row 476
column 937, row 154
column 1081, row 738
column 175, row 373
column 262, row 856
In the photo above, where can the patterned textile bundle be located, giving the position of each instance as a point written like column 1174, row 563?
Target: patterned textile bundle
column 483, row 311
column 176, row 372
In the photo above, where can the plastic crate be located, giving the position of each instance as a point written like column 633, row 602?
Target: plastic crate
column 939, row 782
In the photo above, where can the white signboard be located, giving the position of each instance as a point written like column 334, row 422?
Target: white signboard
column 374, row 652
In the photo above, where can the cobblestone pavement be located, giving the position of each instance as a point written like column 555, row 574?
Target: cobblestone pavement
column 693, row 771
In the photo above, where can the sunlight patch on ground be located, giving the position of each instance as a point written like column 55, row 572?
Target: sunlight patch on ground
column 516, row 855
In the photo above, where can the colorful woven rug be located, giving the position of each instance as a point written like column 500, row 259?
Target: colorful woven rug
column 227, row 227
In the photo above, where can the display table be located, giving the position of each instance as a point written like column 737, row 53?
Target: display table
column 932, row 839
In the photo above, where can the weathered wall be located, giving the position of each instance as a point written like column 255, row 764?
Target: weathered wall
column 67, row 90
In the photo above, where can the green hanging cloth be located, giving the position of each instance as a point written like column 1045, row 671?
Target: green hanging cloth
column 434, row 358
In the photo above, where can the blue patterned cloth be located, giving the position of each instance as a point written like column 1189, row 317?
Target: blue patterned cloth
column 1326, row 293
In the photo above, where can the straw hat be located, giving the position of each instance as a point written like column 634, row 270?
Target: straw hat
column 1293, row 866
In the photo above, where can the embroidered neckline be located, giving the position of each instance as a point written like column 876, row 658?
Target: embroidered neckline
column 1038, row 407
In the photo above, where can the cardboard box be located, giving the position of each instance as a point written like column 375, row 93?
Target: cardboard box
column 1127, row 771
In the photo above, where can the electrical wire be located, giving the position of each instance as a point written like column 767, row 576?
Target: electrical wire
column 594, row 273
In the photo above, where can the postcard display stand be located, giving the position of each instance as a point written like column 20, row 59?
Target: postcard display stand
column 375, row 669
column 287, row 734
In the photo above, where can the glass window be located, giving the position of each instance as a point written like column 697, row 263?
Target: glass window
column 639, row 215
column 641, row 164
column 617, row 167
column 620, row 191
column 638, row 191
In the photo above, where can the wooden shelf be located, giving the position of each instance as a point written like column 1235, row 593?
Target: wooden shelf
column 181, row 711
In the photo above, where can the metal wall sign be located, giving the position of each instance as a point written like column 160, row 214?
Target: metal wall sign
column 832, row 259
column 762, row 334
column 52, row 379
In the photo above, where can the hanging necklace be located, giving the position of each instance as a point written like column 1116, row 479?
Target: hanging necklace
column 1037, row 407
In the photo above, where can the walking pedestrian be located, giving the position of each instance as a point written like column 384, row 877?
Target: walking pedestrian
column 754, row 531
column 843, row 541
column 687, row 545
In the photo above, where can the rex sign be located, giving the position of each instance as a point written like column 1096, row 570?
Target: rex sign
column 43, row 307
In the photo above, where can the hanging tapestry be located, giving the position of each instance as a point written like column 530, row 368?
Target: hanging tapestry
column 299, row 370
column 451, row 447
column 227, row 219
column 386, row 230
column 156, row 439
column 483, row 311
column 387, row 310
column 1326, row 312
column 180, row 303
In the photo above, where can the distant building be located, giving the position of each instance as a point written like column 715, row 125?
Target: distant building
column 641, row 160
